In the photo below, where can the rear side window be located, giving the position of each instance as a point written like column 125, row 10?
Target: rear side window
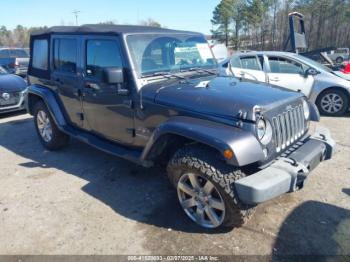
column 250, row 62
column 65, row 55
column 40, row 54
column 102, row 54
column 236, row 62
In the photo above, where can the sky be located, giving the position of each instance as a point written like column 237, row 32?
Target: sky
column 193, row 15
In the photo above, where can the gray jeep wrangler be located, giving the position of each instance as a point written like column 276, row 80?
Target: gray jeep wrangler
column 152, row 96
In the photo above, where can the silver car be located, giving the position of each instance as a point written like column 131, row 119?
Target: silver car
column 329, row 91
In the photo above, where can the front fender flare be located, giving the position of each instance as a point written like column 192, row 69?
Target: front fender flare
column 49, row 99
column 245, row 146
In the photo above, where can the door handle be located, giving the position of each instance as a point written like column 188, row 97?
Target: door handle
column 275, row 79
column 92, row 86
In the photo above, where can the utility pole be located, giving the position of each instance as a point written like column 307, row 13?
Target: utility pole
column 76, row 12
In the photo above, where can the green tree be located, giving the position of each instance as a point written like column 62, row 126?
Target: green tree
column 222, row 18
column 238, row 19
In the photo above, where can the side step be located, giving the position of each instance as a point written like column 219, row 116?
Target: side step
column 133, row 154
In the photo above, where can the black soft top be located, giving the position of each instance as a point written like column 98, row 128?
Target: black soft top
column 106, row 29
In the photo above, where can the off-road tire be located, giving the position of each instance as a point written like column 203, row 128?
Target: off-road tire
column 339, row 93
column 206, row 162
column 59, row 139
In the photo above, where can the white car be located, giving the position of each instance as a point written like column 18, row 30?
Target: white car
column 339, row 55
column 328, row 90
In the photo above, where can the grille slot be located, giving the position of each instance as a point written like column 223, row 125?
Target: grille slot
column 288, row 127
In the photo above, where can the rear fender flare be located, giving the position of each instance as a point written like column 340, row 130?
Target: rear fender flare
column 49, row 99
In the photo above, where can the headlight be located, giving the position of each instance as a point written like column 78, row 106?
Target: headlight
column 264, row 131
column 261, row 129
column 306, row 109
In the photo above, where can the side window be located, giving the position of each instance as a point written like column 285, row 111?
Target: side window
column 102, row 54
column 250, row 62
column 4, row 53
column 65, row 55
column 282, row 65
column 40, row 54
column 236, row 62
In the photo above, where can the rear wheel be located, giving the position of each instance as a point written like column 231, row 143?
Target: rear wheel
column 50, row 136
column 205, row 188
column 333, row 102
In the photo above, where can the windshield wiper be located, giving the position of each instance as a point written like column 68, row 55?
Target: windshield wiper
column 198, row 69
column 165, row 74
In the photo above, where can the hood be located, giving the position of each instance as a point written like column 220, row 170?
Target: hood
column 342, row 75
column 224, row 97
column 11, row 83
column 336, row 78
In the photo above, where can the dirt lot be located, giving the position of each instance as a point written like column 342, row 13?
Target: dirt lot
column 83, row 201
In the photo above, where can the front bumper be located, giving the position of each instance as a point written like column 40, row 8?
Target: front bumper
column 287, row 174
column 21, row 105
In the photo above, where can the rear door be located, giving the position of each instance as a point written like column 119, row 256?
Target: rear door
column 289, row 74
column 248, row 67
column 107, row 113
column 65, row 76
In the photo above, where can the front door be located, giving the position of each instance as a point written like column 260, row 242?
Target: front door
column 106, row 112
column 65, row 76
column 289, row 74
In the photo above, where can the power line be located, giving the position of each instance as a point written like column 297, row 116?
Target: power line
column 76, row 13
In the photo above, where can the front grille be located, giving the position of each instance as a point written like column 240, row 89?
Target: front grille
column 288, row 127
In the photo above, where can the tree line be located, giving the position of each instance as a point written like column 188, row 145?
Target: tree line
column 264, row 24
column 19, row 37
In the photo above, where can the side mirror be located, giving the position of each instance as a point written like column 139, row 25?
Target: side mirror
column 113, row 75
column 311, row 72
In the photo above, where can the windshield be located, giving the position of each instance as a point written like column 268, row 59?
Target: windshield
column 314, row 64
column 152, row 53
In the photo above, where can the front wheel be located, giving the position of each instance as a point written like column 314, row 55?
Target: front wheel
column 50, row 136
column 205, row 188
column 333, row 102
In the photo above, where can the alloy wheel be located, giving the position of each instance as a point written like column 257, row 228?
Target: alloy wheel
column 332, row 103
column 44, row 126
column 201, row 200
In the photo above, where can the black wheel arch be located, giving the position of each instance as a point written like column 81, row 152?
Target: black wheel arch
column 339, row 88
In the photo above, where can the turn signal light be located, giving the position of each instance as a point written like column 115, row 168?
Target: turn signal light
column 228, row 154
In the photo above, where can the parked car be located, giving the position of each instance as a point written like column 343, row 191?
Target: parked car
column 13, row 90
column 326, row 88
column 14, row 60
column 339, row 55
column 152, row 96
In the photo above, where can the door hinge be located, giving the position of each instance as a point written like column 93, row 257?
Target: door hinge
column 131, row 131
column 81, row 116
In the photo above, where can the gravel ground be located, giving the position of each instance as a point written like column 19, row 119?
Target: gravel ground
column 83, row 201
